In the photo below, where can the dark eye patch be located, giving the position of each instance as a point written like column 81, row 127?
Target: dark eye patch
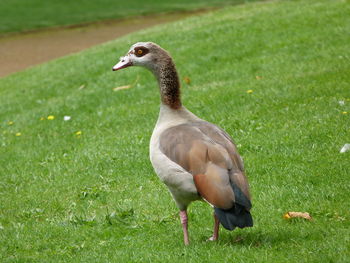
column 140, row 51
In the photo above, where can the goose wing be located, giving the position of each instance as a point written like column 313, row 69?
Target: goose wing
column 210, row 155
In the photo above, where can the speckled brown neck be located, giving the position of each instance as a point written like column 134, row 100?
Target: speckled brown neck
column 169, row 84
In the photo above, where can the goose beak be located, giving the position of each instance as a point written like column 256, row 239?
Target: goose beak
column 123, row 63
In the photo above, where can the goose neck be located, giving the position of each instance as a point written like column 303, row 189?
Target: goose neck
column 169, row 84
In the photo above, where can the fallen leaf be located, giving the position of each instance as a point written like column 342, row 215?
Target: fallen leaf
column 127, row 86
column 304, row 215
column 122, row 87
column 187, row 80
column 286, row 216
column 258, row 77
column 82, row 87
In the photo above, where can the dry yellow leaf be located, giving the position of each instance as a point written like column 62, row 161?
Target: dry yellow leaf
column 286, row 216
column 122, row 87
column 304, row 215
column 187, row 80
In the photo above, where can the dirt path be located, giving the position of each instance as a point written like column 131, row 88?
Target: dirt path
column 18, row 52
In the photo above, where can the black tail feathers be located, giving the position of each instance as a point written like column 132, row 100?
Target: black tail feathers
column 238, row 215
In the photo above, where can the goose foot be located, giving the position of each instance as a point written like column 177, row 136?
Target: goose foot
column 212, row 238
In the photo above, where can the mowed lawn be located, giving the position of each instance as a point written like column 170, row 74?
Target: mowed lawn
column 84, row 190
column 24, row 15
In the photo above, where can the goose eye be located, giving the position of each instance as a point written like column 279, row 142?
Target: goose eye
column 140, row 51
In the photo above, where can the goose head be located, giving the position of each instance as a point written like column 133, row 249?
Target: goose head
column 154, row 58
column 144, row 54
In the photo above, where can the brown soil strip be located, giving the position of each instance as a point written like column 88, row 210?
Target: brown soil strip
column 20, row 51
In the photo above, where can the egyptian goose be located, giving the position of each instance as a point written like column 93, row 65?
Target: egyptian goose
column 194, row 158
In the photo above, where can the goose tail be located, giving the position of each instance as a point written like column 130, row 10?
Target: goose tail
column 239, row 214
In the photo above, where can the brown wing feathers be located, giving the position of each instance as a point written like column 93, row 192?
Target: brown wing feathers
column 211, row 157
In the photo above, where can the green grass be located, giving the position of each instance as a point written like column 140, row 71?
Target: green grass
column 95, row 197
column 24, row 15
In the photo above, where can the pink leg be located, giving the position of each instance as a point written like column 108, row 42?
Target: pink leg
column 216, row 229
column 183, row 218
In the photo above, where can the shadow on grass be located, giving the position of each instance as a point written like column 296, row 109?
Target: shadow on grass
column 257, row 238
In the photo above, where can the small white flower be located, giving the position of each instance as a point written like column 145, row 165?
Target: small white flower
column 66, row 118
column 341, row 103
column 345, row 148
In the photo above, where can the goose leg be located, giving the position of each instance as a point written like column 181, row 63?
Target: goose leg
column 216, row 229
column 183, row 218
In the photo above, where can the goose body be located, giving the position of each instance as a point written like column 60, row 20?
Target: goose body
column 195, row 159
column 178, row 180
